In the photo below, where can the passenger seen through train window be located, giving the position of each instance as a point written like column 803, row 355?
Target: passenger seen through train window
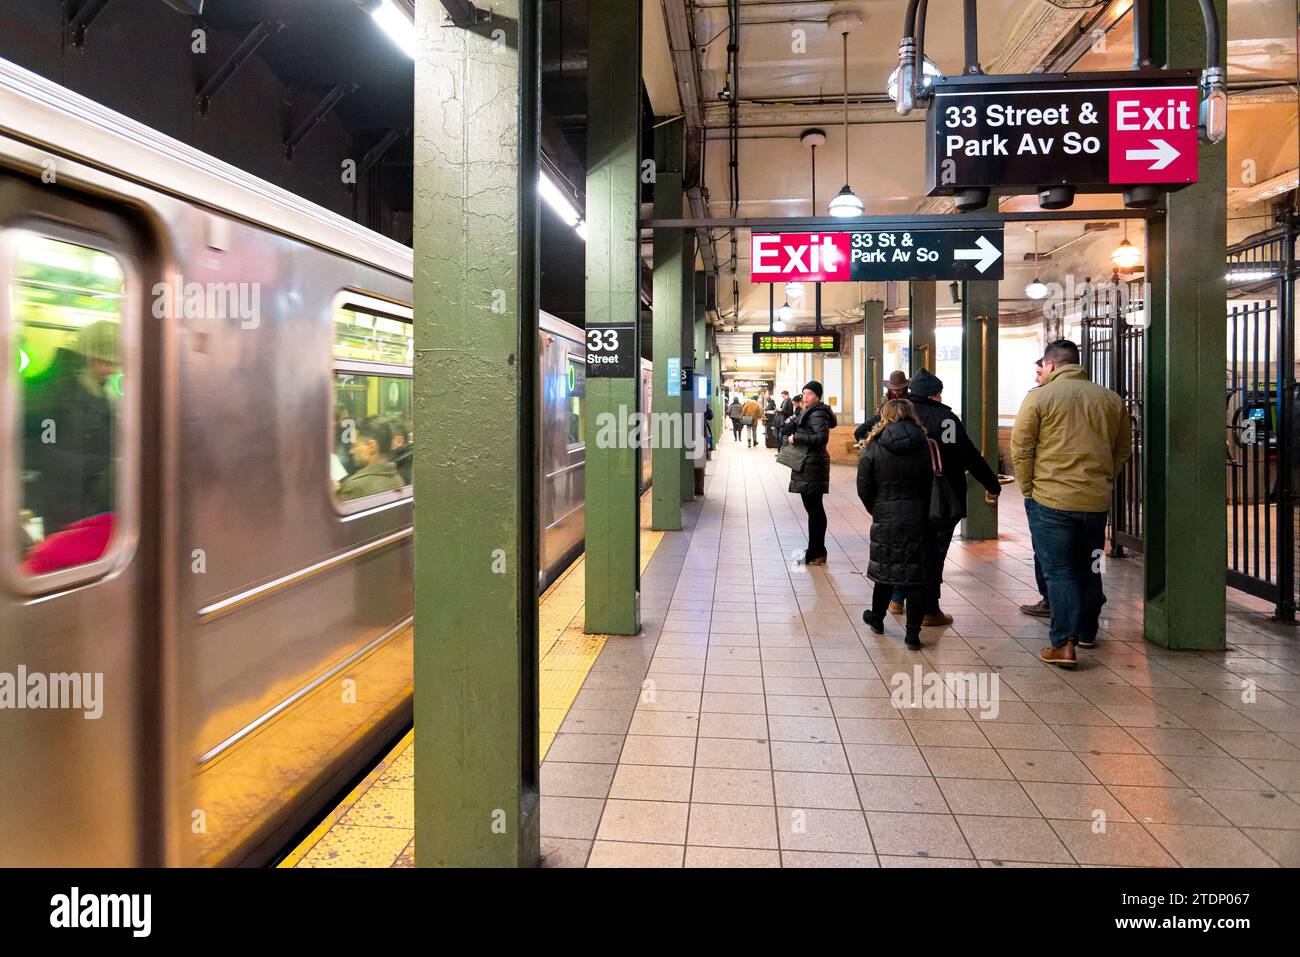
column 372, row 452
column 67, row 310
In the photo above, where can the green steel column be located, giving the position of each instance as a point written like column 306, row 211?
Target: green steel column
column 613, row 296
column 669, row 472
column 476, row 121
column 1185, row 557
column 701, row 349
column 687, row 352
column 921, row 318
column 873, row 311
column 979, row 398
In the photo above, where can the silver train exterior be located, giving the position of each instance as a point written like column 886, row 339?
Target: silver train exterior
column 251, row 630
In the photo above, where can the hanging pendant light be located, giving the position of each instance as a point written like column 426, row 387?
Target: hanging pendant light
column 846, row 202
column 1036, row 289
column 1126, row 255
column 785, row 313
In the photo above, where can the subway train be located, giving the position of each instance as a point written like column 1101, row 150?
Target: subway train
column 205, row 499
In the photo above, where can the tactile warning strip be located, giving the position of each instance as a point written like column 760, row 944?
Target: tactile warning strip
column 374, row 825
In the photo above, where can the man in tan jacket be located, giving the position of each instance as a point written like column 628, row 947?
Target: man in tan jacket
column 752, row 414
column 1070, row 441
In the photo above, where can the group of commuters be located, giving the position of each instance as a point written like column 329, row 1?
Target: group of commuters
column 373, row 455
column 1070, row 440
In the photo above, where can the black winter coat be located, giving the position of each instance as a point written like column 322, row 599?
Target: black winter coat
column 956, row 451
column 894, row 476
column 813, row 431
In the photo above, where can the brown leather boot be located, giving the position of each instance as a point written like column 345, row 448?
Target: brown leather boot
column 936, row 618
column 1062, row 657
column 896, row 607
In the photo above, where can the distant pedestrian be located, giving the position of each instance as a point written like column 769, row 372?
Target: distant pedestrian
column 895, row 388
column 812, row 430
column 895, row 473
column 1070, row 440
column 751, row 414
column 733, row 413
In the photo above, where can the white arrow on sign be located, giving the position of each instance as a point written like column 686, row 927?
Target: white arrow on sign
column 984, row 251
column 1163, row 154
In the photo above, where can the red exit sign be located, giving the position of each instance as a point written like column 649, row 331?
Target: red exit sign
column 799, row 257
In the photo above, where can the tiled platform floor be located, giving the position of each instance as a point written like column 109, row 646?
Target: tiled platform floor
column 751, row 723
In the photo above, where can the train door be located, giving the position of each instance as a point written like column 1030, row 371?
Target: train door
column 73, row 655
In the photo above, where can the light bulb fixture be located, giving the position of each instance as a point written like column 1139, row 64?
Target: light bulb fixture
column 793, row 290
column 929, row 72
column 778, row 326
column 845, row 203
column 1036, row 289
column 1213, row 123
column 785, row 313
column 1126, row 255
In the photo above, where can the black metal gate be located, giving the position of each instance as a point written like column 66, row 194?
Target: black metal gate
column 1261, row 419
column 1110, row 348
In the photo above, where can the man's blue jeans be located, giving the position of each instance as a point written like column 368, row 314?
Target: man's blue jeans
column 942, row 542
column 1069, row 545
column 1038, row 566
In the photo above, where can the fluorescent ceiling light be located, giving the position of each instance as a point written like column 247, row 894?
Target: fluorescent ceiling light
column 395, row 23
column 557, row 200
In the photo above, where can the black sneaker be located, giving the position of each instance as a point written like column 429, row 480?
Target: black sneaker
column 875, row 624
column 913, row 641
column 1086, row 642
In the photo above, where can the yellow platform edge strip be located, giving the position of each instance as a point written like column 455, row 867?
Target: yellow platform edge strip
column 560, row 677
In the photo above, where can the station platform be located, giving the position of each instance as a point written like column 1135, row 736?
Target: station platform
column 751, row 723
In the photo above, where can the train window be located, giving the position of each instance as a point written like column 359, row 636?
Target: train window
column 576, row 388
column 66, row 306
column 372, row 441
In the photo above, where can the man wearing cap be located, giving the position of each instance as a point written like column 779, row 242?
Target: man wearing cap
column 1071, row 438
column 895, row 388
column 68, row 430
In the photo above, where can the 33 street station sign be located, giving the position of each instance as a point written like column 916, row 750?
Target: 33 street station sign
column 1093, row 132
column 876, row 255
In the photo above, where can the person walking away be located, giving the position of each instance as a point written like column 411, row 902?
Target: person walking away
column 958, row 456
column 750, row 415
column 1070, row 440
column 894, row 477
column 812, row 430
column 733, row 413
column 783, row 416
column 1043, row 607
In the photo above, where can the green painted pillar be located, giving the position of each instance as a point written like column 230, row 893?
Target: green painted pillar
column 1185, row 535
column 874, row 373
column 979, row 398
column 921, row 315
column 671, row 308
column 613, row 297
column 688, row 354
column 476, row 122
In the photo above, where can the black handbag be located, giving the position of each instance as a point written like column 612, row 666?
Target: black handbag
column 947, row 508
column 792, row 456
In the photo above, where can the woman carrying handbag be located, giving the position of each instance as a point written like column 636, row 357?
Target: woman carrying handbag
column 895, row 483
column 810, row 466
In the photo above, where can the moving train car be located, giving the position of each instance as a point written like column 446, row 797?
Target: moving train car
column 205, row 500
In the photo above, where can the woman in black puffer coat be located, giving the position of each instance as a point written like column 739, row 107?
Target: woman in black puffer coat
column 813, row 431
column 894, row 476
